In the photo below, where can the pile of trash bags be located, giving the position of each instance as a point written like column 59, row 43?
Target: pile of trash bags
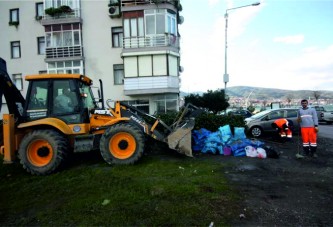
column 224, row 142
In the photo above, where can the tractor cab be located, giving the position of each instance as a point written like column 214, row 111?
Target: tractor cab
column 64, row 96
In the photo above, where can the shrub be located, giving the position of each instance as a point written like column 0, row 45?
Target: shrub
column 212, row 121
column 208, row 120
column 56, row 11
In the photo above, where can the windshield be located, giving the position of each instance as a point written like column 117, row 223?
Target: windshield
column 87, row 97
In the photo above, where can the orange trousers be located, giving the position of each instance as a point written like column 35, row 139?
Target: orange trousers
column 309, row 137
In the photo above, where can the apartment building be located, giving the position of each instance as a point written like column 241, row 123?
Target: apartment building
column 131, row 45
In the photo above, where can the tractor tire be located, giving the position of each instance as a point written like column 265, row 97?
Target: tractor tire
column 42, row 152
column 122, row 144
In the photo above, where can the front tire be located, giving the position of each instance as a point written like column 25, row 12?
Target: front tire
column 42, row 152
column 122, row 144
column 256, row 131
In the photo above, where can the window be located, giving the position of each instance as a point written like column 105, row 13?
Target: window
column 14, row 16
column 18, row 81
column 57, row 3
column 118, row 73
column 276, row 114
column 70, row 67
column 42, row 72
column 291, row 113
column 133, row 24
column 37, row 99
column 41, row 45
column 65, row 98
column 63, row 35
column 15, row 48
column 39, row 10
column 166, row 103
column 117, row 36
column 160, row 21
column 142, row 105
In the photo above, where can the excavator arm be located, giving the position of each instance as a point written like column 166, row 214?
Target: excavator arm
column 14, row 99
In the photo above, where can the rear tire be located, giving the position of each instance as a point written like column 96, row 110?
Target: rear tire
column 122, row 144
column 42, row 152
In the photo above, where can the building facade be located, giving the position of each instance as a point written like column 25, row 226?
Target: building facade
column 131, row 45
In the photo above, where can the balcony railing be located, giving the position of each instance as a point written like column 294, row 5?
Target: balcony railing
column 74, row 14
column 62, row 52
column 143, row 2
column 151, row 41
column 151, row 85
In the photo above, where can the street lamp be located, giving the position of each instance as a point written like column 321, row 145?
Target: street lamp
column 226, row 75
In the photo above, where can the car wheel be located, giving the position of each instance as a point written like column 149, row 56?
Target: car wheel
column 256, row 131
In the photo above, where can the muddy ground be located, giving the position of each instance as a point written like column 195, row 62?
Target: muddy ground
column 284, row 191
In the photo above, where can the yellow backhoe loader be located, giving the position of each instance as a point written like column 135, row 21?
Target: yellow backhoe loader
column 61, row 115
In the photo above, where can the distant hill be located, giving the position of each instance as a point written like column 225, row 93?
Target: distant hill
column 272, row 93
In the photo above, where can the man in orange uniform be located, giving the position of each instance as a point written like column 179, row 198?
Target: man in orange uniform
column 308, row 120
column 283, row 126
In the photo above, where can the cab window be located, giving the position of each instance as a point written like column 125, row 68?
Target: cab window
column 37, row 99
column 87, row 97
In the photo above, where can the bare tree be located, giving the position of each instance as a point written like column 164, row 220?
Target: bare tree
column 316, row 95
column 289, row 98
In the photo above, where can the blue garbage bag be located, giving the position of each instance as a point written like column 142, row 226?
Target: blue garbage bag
column 239, row 133
column 213, row 143
column 212, row 147
column 199, row 137
column 225, row 133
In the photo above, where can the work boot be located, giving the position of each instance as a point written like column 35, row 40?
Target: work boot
column 306, row 151
column 313, row 152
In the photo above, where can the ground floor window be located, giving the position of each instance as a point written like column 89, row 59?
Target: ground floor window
column 70, row 67
column 142, row 105
column 166, row 103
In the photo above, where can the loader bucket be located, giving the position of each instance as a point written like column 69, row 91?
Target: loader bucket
column 180, row 138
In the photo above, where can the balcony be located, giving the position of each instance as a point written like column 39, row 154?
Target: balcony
column 151, row 85
column 151, row 41
column 72, row 17
column 145, row 2
column 63, row 52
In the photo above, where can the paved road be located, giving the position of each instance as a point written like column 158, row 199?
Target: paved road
column 326, row 131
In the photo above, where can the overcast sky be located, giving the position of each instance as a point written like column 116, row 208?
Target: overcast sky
column 285, row 44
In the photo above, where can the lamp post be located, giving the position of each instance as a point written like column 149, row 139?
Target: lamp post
column 226, row 75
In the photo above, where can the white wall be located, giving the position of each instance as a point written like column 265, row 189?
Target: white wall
column 27, row 32
column 98, row 51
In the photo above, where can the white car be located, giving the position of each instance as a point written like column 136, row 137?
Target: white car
column 261, row 123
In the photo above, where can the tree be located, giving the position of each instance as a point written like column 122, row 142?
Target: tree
column 316, row 95
column 194, row 99
column 251, row 108
column 289, row 98
column 214, row 101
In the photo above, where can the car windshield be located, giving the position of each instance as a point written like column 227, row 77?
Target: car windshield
column 260, row 114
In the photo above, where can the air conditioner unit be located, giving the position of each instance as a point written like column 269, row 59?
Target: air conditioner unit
column 180, row 19
column 114, row 11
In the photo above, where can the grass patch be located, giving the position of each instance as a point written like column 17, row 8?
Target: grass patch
column 157, row 191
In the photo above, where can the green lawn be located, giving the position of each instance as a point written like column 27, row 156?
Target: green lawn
column 160, row 190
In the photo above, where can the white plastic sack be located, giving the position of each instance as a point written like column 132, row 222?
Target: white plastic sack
column 250, row 151
column 261, row 153
column 255, row 153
